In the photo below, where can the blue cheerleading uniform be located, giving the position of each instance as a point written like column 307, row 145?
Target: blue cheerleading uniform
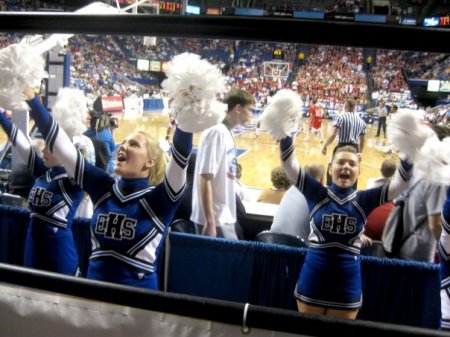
column 53, row 200
column 330, row 276
column 131, row 218
column 444, row 252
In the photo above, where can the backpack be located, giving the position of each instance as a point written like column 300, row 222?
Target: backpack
column 394, row 233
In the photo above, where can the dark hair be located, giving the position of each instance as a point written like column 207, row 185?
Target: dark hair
column 441, row 131
column 238, row 171
column 99, row 120
column 346, row 148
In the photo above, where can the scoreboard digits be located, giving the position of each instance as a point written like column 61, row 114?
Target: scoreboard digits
column 278, row 54
column 169, row 7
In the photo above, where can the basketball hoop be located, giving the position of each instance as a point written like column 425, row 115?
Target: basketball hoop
column 276, row 70
column 149, row 41
column 275, row 74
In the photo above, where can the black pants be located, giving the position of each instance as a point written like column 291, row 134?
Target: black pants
column 329, row 179
column 381, row 124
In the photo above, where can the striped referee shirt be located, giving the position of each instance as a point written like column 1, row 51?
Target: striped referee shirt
column 351, row 127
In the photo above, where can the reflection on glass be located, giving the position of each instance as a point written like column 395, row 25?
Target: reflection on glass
column 130, row 70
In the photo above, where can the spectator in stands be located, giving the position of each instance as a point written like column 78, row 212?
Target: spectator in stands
column 330, row 279
column 214, row 192
column 280, row 184
column 53, row 200
column 350, row 129
column 368, row 62
column 131, row 217
column 377, row 218
column 422, row 215
column 292, row 216
column 99, row 132
column 387, row 170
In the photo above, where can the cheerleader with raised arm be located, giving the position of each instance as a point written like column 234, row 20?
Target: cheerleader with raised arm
column 131, row 218
column 330, row 279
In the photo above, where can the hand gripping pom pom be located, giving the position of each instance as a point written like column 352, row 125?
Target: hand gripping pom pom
column 407, row 133
column 433, row 160
column 280, row 118
column 70, row 111
column 192, row 87
column 20, row 65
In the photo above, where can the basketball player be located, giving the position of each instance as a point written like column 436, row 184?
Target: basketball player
column 315, row 120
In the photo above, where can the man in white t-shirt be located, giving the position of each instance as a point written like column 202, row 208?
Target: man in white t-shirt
column 214, row 188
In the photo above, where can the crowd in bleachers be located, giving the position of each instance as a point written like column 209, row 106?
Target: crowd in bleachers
column 103, row 65
column 348, row 6
column 332, row 74
column 434, row 66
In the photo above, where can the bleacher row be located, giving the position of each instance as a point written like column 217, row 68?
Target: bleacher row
column 332, row 73
column 326, row 70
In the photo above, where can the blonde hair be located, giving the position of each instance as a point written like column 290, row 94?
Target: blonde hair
column 316, row 170
column 38, row 145
column 154, row 151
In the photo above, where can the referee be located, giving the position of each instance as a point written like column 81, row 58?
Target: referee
column 350, row 130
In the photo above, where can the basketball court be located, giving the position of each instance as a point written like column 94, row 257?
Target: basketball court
column 259, row 155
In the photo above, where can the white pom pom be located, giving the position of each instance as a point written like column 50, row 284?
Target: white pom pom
column 280, row 118
column 70, row 111
column 192, row 87
column 407, row 133
column 433, row 160
column 20, row 65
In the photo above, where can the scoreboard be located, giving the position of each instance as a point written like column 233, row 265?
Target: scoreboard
column 168, row 7
column 278, row 54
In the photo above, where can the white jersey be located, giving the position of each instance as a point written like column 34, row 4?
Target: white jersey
column 216, row 155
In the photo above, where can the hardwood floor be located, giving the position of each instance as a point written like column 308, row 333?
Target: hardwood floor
column 262, row 154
